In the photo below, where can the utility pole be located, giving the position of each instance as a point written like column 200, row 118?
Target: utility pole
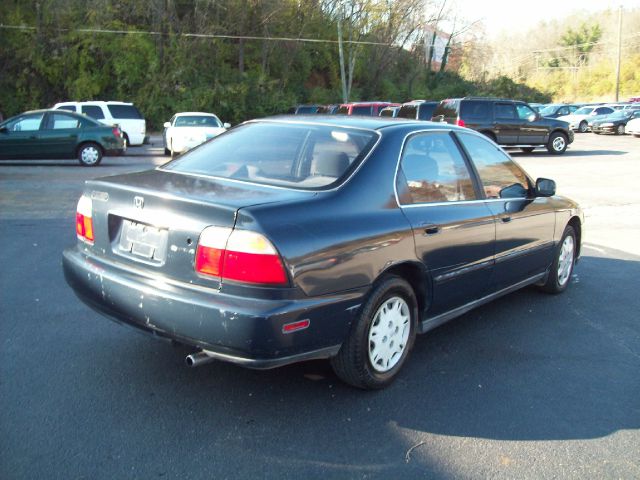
column 619, row 52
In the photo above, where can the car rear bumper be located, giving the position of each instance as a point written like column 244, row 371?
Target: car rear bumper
column 247, row 331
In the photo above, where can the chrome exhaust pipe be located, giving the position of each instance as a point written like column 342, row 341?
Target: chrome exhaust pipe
column 198, row 358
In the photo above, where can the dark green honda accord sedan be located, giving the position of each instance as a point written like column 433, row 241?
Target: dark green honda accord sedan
column 57, row 134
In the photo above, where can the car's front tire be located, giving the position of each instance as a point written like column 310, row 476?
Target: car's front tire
column 381, row 337
column 583, row 126
column 90, row 154
column 557, row 143
column 563, row 263
column 620, row 130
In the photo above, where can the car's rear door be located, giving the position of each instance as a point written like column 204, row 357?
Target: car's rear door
column 454, row 232
column 58, row 136
column 524, row 224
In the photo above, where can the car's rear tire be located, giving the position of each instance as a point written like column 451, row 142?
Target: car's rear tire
column 381, row 337
column 583, row 126
column 167, row 152
column 90, row 154
column 563, row 262
column 557, row 143
column 527, row 149
column 489, row 135
column 620, row 130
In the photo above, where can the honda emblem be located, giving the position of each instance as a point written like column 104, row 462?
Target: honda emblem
column 138, row 202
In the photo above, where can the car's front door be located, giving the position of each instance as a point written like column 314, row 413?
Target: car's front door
column 18, row 137
column 532, row 131
column 58, row 136
column 524, row 224
column 506, row 123
column 453, row 231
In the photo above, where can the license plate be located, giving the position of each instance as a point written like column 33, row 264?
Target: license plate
column 143, row 241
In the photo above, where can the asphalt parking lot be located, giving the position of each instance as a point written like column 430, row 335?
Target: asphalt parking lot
column 530, row 386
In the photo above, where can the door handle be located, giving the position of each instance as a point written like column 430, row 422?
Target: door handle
column 431, row 229
column 505, row 219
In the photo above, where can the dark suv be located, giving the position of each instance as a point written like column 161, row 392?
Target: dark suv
column 506, row 122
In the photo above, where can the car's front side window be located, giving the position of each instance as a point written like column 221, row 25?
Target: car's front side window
column 432, row 169
column 499, row 175
column 25, row 123
column 524, row 112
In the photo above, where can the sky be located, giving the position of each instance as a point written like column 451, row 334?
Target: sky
column 514, row 15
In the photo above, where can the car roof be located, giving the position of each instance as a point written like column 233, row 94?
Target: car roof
column 180, row 114
column 420, row 102
column 99, row 102
column 348, row 121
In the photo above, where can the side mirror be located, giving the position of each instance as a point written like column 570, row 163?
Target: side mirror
column 533, row 117
column 3, row 129
column 166, row 125
column 545, row 187
column 226, row 125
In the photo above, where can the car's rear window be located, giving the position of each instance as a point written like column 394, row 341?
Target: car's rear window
column 361, row 110
column 408, row 111
column 126, row 112
column 447, row 108
column 307, row 109
column 299, row 156
column 197, row 121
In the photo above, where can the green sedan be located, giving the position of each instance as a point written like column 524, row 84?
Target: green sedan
column 59, row 134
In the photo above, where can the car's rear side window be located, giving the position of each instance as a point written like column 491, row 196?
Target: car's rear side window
column 61, row 121
column 433, row 170
column 93, row 111
column 70, row 108
column 300, row 156
column 425, row 111
column 127, row 112
column 471, row 109
column 505, row 111
column 496, row 170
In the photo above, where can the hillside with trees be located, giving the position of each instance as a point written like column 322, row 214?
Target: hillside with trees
column 250, row 58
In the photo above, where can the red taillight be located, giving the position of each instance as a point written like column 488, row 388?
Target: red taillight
column 116, row 132
column 84, row 221
column 239, row 255
column 460, row 122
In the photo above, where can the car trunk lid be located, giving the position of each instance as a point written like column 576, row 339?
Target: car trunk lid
column 152, row 220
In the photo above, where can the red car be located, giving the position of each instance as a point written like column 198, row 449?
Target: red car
column 371, row 109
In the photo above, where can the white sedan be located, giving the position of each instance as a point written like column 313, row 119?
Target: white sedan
column 633, row 127
column 187, row 130
column 581, row 118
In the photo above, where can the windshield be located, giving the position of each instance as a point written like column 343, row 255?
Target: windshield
column 197, row 121
column 584, row 111
column 300, row 156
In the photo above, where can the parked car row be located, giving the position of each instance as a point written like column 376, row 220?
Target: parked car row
column 91, row 130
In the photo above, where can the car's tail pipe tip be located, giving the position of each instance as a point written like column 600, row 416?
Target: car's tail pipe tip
column 198, row 358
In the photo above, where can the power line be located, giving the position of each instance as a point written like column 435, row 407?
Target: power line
column 197, row 35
